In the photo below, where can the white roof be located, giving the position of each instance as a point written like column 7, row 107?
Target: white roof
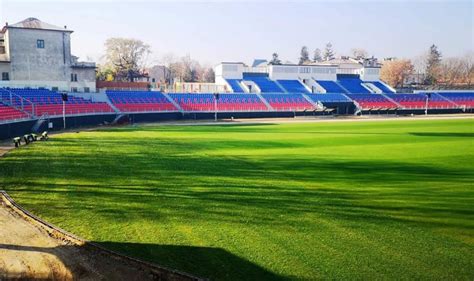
column 34, row 23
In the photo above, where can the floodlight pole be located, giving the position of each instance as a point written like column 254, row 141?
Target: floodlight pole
column 426, row 105
column 64, row 114
column 215, row 108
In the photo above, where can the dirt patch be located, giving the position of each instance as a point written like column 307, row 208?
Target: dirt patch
column 29, row 252
column 4, row 149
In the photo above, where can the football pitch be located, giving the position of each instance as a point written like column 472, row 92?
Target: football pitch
column 296, row 201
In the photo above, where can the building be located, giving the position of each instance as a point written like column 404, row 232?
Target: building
column 36, row 54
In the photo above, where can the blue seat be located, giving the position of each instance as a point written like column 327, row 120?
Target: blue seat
column 293, row 86
column 331, row 97
column 330, row 86
column 234, row 84
column 382, row 87
column 263, row 82
column 353, row 85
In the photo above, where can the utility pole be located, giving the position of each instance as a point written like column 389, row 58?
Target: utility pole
column 65, row 98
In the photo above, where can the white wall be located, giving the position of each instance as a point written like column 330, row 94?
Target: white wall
column 228, row 71
column 295, row 72
column 370, row 74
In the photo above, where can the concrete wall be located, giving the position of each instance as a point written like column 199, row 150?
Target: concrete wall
column 228, row 71
column 29, row 63
column 85, row 78
column 370, row 74
column 46, row 67
column 4, row 67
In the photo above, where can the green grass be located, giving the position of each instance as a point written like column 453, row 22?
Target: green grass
column 345, row 200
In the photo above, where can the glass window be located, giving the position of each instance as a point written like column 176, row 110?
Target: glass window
column 5, row 76
column 40, row 44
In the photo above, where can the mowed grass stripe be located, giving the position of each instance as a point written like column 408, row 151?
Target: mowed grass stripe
column 368, row 200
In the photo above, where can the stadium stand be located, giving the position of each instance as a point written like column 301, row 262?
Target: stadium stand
column 382, row 87
column 352, row 84
column 288, row 102
column 330, row 86
column 234, row 84
column 328, row 98
column 409, row 101
column 140, row 101
column 225, row 103
column 8, row 113
column 418, row 101
column 436, row 101
column 50, row 103
column 372, row 101
column 465, row 99
column 293, row 86
column 263, row 82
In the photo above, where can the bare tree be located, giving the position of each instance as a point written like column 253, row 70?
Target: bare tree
column 127, row 57
column 450, row 71
column 209, row 75
column 419, row 62
column 275, row 59
column 395, row 72
column 359, row 53
column 467, row 67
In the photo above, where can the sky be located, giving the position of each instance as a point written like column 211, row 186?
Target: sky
column 216, row 31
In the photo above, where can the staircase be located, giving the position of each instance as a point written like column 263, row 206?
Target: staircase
column 317, row 105
column 390, row 99
column 112, row 106
column 173, row 102
column 372, row 88
column 359, row 108
column 43, row 118
column 448, row 100
column 280, row 86
column 305, row 85
column 264, row 101
column 342, row 87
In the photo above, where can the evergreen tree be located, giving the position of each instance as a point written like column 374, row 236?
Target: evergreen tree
column 433, row 61
column 317, row 55
column 275, row 60
column 304, row 55
column 328, row 52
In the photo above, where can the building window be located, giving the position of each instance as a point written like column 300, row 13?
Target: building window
column 87, row 89
column 40, row 44
column 73, row 77
column 2, row 49
column 5, row 76
column 54, row 89
column 74, row 89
